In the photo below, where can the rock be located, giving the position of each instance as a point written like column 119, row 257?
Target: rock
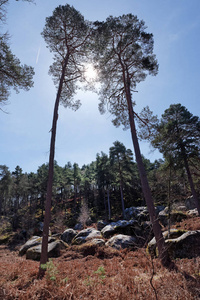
column 78, row 226
column 121, row 241
column 138, row 213
column 68, row 235
column 159, row 208
column 90, row 247
column 108, row 231
column 180, row 244
column 152, row 247
column 34, row 253
column 98, row 242
column 175, row 216
column 126, row 227
column 86, row 235
column 185, row 246
column 34, row 241
column 180, row 207
column 101, row 224
column 131, row 227
column 193, row 212
column 190, row 203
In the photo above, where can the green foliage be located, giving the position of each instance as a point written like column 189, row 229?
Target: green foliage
column 101, row 272
column 94, row 183
column 178, row 129
column 12, row 73
column 51, row 270
column 124, row 56
column 66, row 34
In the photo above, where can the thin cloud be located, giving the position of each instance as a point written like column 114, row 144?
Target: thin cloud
column 38, row 54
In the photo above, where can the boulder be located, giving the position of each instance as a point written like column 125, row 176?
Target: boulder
column 139, row 213
column 78, row 226
column 68, row 235
column 185, row 246
column 101, row 224
column 180, row 244
column 190, row 203
column 97, row 242
column 180, row 207
column 175, row 216
column 85, row 235
column 34, row 253
column 121, row 241
column 131, row 227
column 193, row 212
column 152, row 247
column 108, row 231
column 34, row 241
column 126, row 227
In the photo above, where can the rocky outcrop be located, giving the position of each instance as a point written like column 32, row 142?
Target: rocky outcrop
column 139, row 213
column 108, row 231
column 180, row 244
column 68, row 235
column 192, row 212
column 190, row 203
column 135, row 231
column 101, row 224
column 54, row 248
column 141, row 231
column 86, row 235
column 34, row 241
column 121, row 241
column 175, row 216
column 185, row 246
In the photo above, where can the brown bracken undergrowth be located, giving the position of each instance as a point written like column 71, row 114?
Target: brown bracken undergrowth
column 105, row 274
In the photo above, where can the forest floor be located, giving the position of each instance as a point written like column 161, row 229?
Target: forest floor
column 116, row 275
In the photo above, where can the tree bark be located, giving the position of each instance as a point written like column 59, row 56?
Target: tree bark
column 194, row 193
column 108, row 199
column 47, row 217
column 163, row 254
column 121, row 189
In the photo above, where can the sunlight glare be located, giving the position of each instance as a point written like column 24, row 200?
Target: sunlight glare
column 90, row 72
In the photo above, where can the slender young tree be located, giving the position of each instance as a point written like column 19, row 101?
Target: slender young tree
column 120, row 159
column 178, row 133
column 5, row 187
column 124, row 57
column 104, row 179
column 66, row 33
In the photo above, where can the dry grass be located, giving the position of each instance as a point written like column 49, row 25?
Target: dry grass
column 105, row 275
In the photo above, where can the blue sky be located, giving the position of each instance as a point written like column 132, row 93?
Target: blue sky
column 24, row 131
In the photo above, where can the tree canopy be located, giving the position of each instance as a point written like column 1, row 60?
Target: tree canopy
column 177, row 136
column 67, row 34
column 124, row 51
column 13, row 75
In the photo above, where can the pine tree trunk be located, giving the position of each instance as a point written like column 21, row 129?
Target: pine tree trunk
column 109, row 210
column 194, row 193
column 105, row 204
column 47, row 217
column 163, row 254
column 121, row 189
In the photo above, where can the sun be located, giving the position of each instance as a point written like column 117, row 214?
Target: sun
column 90, row 72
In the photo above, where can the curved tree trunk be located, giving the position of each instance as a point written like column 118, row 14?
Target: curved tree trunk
column 47, row 217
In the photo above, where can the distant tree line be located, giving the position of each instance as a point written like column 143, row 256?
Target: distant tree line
column 111, row 183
